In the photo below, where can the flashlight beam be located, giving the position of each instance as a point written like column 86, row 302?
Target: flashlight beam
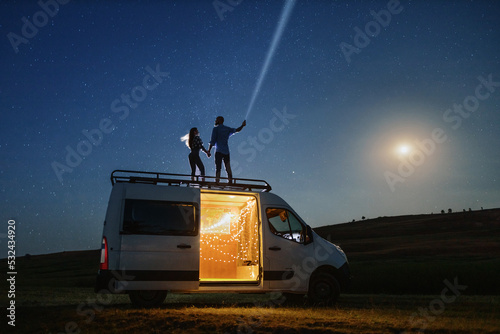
column 285, row 15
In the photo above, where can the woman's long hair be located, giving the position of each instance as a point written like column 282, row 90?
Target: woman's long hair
column 188, row 138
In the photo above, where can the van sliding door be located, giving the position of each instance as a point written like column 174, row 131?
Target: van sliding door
column 160, row 238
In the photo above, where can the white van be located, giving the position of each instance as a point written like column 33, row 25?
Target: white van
column 167, row 232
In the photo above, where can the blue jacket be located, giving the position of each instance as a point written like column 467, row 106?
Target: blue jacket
column 220, row 136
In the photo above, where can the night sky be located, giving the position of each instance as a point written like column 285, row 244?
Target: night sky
column 368, row 108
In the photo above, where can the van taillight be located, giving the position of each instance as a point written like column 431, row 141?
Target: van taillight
column 104, row 255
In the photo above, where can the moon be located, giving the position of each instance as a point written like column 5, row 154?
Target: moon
column 404, row 149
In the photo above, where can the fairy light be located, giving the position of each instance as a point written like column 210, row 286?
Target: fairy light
column 243, row 234
column 216, row 228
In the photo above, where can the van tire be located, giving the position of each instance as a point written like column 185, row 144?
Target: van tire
column 147, row 298
column 324, row 290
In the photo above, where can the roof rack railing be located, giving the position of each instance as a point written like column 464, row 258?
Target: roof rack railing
column 208, row 182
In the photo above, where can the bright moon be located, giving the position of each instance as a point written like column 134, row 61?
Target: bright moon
column 404, row 149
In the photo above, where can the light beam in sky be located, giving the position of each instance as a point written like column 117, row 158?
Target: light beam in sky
column 285, row 15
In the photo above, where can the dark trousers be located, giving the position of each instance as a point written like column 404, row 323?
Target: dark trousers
column 219, row 157
column 195, row 160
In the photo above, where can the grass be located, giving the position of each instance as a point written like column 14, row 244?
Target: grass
column 414, row 254
column 399, row 266
column 66, row 269
column 421, row 275
column 410, row 275
column 80, row 310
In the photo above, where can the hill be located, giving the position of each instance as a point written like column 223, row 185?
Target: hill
column 64, row 269
column 461, row 234
column 393, row 255
column 415, row 254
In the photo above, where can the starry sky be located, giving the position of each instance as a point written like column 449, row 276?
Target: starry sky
column 368, row 108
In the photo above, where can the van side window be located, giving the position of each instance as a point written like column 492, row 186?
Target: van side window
column 283, row 223
column 159, row 218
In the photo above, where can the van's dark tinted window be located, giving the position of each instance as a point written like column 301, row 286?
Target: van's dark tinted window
column 159, row 218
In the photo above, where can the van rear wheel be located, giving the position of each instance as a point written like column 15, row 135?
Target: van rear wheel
column 324, row 290
column 147, row 298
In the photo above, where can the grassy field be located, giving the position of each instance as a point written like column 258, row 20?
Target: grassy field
column 401, row 266
column 425, row 275
column 66, row 310
column 414, row 254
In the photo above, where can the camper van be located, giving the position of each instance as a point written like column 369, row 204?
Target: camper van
column 174, row 233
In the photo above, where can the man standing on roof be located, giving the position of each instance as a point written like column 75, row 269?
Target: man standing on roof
column 220, row 136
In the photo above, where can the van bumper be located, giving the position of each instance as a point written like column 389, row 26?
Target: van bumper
column 344, row 277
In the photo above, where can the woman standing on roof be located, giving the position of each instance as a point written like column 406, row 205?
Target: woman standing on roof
column 194, row 142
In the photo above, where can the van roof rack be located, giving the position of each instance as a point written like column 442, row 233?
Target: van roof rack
column 180, row 180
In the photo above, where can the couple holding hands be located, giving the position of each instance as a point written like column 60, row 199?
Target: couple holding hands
column 219, row 139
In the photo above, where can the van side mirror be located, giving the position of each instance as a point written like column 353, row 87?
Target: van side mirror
column 309, row 235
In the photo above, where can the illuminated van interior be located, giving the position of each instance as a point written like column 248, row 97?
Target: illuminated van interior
column 229, row 238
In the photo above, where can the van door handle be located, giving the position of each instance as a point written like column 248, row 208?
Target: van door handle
column 183, row 246
column 275, row 248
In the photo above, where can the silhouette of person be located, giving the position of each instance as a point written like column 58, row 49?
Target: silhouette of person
column 194, row 142
column 220, row 137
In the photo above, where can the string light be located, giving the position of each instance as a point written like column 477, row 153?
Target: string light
column 244, row 234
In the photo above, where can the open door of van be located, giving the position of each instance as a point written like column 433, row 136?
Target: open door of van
column 229, row 239
column 160, row 239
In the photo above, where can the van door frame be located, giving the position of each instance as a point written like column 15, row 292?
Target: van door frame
column 252, row 284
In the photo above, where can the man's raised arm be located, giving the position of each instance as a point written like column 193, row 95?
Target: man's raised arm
column 242, row 125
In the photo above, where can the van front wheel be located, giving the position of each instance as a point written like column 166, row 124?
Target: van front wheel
column 147, row 298
column 324, row 289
